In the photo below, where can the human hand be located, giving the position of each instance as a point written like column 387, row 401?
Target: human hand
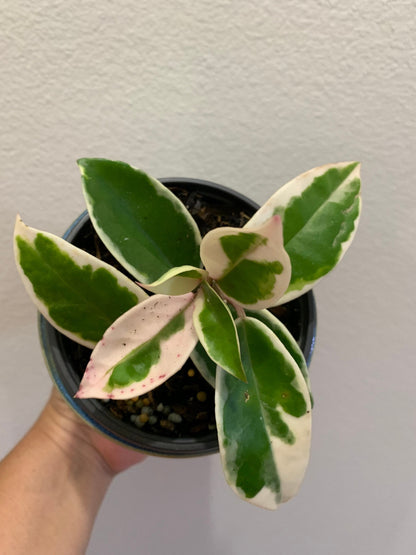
column 66, row 427
column 59, row 472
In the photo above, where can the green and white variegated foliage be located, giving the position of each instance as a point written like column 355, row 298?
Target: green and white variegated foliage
column 142, row 349
column 320, row 211
column 285, row 337
column 77, row 293
column 209, row 303
column 251, row 269
column 178, row 281
column 265, row 455
column 146, row 228
column 211, row 314
column 207, row 314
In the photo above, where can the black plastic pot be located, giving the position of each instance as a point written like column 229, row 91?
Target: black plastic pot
column 58, row 349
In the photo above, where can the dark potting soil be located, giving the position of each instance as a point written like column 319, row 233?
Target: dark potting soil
column 183, row 406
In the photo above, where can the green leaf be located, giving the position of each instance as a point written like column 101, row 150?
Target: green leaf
column 289, row 342
column 264, row 426
column 142, row 349
column 77, row 293
column 178, row 281
column 140, row 221
column 252, row 267
column 205, row 365
column 320, row 211
column 216, row 331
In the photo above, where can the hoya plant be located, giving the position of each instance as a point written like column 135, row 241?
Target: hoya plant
column 208, row 299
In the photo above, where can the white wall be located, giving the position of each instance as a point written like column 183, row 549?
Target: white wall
column 248, row 94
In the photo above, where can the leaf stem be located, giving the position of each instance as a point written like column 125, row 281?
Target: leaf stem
column 240, row 311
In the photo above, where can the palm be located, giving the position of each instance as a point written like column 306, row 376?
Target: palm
column 117, row 457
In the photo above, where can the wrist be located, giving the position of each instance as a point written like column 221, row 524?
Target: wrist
column 71, row 438
column 78, row 440
column 53, row 471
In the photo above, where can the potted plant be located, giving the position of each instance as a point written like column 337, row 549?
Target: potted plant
column 210, row 294
column 211, row 205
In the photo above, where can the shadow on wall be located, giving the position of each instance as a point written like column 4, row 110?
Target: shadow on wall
column 159, row 507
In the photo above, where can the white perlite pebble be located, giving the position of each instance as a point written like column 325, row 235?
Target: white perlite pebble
column 176, row 418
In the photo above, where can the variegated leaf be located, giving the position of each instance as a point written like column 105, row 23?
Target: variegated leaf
column 140, row 221
column 178, row 281
column 284, row 335
column 264, row 426
column 205, row 365
column 77, row 293
column 142, row 349
column 216, row 331
column 320, row 211
column 251, row 267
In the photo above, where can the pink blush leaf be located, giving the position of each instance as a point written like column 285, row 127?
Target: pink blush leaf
column 142, row 349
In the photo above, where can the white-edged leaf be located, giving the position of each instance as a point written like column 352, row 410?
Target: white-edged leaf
column 284, row 335
column 143, row 224
column 320, row 211
column 177, row 281
column 204, row 364
column 250, row 267
column 216, row 331
column 264, row 426
column 76, row 292
column 142, row 349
